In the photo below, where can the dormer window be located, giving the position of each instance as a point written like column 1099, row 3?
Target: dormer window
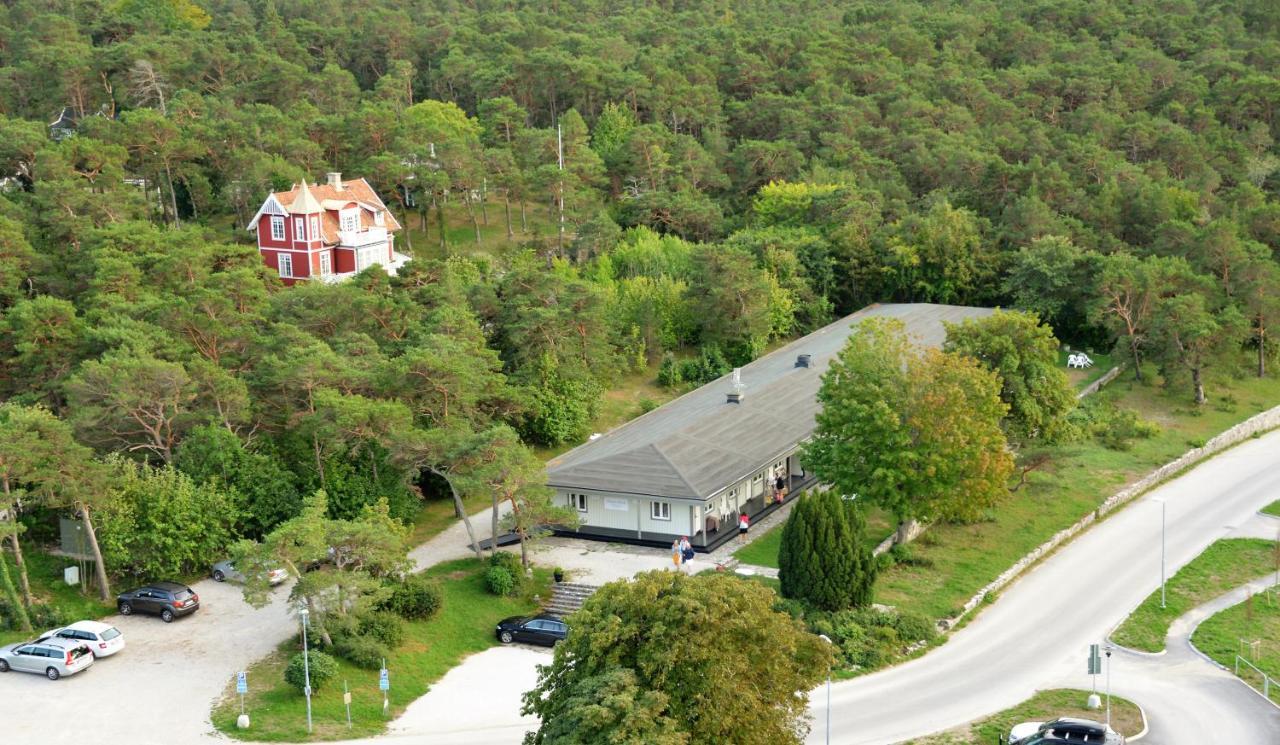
column 378, row 219
column 350, row 220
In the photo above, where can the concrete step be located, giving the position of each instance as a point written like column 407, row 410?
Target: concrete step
column 568, row 597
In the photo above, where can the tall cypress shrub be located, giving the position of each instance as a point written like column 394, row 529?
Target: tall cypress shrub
column 823, row 559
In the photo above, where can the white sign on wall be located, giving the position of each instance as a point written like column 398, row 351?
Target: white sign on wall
column 617, row 505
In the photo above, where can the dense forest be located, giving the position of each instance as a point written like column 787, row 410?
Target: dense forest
column 734, row 173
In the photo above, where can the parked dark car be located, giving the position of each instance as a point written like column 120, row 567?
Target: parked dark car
column 543, row 629
column 165, row 599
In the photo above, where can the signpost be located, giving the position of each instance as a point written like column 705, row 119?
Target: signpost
column 346, row 699
column 1108, row 650
column 384, row 684
column 1095, row 669
column 242, row 687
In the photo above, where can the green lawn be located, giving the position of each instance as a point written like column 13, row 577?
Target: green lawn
column 1273, row 508
column 461, row 236
column 763, row 551
column 955, row 561
column 1233, row 632
column 1223, row 566
column 45, row 573
column 463, row 626
column 1126, row 718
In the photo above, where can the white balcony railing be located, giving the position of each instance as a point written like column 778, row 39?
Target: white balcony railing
column 364, row 237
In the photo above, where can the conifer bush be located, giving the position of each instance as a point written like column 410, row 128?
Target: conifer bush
column 823, row 560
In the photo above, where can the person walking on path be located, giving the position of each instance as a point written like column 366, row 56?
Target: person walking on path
column 686, row 553
column 676, row 555
column 744, row 524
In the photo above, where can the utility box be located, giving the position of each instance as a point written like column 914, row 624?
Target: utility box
column 71, row 575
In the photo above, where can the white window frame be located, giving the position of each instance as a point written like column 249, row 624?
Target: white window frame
column 578, row 501
column 299, row 229
column 315, row 228
column 283, row 260
column 757, row 484
column 326, row 264
column 349, row 220
column 277, row 228
column 660, row 510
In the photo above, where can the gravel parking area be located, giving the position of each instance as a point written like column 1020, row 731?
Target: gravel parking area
column 158, row 690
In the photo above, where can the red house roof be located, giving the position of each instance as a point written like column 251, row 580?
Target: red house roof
column 331, row 197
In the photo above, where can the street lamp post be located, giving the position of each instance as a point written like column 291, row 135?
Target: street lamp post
column 1108, row 686
column 306, row 666
column 1162, row 531
column 827, row 639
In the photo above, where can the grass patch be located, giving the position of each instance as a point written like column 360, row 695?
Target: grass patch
column 1080, row 378
column 1223, row 566
column 763, row 551
column 431, row 648
column 1234, row 630
column 461, row 236
column 45, row 574
column 1078, row 477
column 1273, row 508
column 435, row 515
column 1126, row 718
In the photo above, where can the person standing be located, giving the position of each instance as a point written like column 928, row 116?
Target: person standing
column 744, row 524
column 676, row 555
column 780, row 487
column 686, row 553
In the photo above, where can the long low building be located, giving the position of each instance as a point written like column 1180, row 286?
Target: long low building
column 690, row 467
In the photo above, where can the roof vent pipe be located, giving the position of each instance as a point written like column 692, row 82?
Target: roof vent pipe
column 803, row 360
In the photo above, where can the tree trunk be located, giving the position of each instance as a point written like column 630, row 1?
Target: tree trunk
column 493, row 548
column 484, row 205
column 471, row 210
column 315, row 448
column 1198, row 382
column 907, row 529
column 19, row 610
column 524, row 550
column 173, row 197
column 104, row 587
column 461, row 511
column 1262, row 349
column 408, row 233
column 506, row 204
column 12, row 514
column 1137, row 358
column 444, row 243
column 524, row 218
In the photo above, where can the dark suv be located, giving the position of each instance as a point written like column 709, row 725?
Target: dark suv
column 165, row 599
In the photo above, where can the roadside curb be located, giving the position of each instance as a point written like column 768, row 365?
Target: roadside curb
column 1146, row 726
column 1192, row 632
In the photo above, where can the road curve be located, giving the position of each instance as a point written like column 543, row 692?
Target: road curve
column 1039, row 630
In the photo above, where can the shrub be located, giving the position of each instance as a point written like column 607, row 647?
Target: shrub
column 508, row 561
column 415, row 597
column 499, row 581
column 323, row 669
column 913, row 627
column 382, row 625
column 362, row 651
column 669, row 372
column 823, row 558
column 647, row 405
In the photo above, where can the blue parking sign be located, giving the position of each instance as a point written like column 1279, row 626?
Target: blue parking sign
column 242, row 682
column 384, row 682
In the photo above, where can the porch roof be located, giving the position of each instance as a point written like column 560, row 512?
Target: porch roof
column 699, row 444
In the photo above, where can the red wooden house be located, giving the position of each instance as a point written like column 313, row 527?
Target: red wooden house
column 326, row 231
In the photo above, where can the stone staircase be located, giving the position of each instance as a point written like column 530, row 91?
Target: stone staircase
column 567, row 597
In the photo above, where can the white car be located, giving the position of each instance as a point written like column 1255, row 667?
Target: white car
column 1062, row 730
column 102, row 639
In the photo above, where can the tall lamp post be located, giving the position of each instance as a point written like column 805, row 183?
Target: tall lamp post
column 1162, row 525
column 827, row 639
column 306, row 666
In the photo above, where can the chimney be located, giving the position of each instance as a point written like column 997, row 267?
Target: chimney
column 803, row 360
column 334, row 179
column 735, row 392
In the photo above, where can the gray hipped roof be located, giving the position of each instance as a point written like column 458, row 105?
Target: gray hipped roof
column 699, row 444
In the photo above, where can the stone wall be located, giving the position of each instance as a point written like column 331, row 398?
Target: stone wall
column 1263, row 422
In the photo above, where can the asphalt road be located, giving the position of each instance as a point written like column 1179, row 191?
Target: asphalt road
column 1037, row 633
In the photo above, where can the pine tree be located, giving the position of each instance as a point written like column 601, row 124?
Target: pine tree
column 822, row 559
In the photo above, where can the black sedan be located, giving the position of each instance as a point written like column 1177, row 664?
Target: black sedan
column 543, row 629
column 165, row 599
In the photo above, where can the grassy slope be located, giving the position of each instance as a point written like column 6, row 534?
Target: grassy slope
column 1255, row 619
column 958, row 560
column 45, row 574
column 1125, row 718
column 1273, row 508
column 1081, row 378
column 1223, row 566
column 462, row 627
column 461, row 236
